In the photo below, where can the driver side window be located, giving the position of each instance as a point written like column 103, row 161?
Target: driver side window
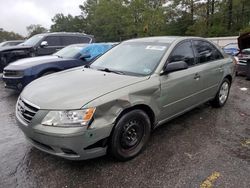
column 183, row 52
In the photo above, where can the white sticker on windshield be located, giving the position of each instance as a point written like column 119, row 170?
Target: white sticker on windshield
column 161, row 48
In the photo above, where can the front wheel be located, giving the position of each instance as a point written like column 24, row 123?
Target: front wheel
column 222, row 95
column 130, row 135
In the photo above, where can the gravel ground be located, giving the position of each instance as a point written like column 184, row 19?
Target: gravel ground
column 205, row 147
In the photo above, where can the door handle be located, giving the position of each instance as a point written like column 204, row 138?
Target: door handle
column 197, row 76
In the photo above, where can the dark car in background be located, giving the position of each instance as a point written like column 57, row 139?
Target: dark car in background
column 41, row 44
column 11, row 43
column 243, row 57
column 21, row 72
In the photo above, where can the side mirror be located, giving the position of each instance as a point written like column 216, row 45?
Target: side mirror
column 175, row 66
column 84, row 56
column 44, row 44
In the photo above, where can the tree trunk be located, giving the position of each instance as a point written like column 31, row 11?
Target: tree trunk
column 230, row 14
column 192, row 10
column 212, row 13
column 208, row 14
column 243, row 14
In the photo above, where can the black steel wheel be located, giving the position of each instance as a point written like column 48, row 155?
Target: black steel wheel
column 130, row 135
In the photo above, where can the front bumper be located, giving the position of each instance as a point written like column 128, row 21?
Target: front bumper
column 16, row 83
column 77, row 143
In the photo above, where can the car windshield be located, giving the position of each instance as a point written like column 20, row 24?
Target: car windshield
column 32, row 41
column 71, row 51
column 134, row 58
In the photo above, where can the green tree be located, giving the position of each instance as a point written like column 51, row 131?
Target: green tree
column 69, row 23
column 114, row 20
column 6, row 35
column 34, row 29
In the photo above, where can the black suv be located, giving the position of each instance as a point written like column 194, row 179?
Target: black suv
column 41, row 44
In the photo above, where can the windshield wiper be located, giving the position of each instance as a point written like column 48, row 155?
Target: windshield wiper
column 112, row 71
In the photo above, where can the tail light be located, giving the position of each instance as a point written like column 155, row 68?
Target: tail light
column 240, row 55
column 235, row 60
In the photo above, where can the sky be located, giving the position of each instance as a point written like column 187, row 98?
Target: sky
column 16, row 15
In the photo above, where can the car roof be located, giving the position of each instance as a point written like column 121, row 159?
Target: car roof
column 64, row 34
column 163, row 39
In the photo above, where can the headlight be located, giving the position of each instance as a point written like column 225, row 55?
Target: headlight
column 13, row 73
column 71, row 118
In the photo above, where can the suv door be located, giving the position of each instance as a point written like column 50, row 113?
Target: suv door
column 180, row 90
column 211, row 62
column 54, row 44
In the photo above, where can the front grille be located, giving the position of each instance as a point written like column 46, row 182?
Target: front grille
column 26, row 111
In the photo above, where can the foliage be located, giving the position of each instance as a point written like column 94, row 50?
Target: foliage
column 67, row 23
column 114, row 20
column 5, row 35
column 34, row 29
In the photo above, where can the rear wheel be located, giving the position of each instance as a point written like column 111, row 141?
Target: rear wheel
column 222, row 95
column 130, row 135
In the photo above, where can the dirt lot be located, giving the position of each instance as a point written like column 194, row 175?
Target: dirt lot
column 204, row 147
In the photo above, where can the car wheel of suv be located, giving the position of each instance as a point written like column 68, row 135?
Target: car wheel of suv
column 222, row 95
column 130, row 135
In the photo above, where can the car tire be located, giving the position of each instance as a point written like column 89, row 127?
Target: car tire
column 222, row 95
column 130, row 135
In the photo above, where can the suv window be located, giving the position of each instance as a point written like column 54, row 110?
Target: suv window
column 206, row 52
column 84, row 39
column 183, row 52
column 53, row 41
column 68, row 40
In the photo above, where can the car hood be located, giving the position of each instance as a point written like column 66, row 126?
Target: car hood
column 12, row 48
column 73, row 89
column 33, row 61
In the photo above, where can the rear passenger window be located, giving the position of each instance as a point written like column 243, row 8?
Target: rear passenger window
column 84, row 39
column 68, row 40
column 53, row 41
column 206, row 52
column 183, row 52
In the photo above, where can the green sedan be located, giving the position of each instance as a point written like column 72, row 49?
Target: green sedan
column 113, row 104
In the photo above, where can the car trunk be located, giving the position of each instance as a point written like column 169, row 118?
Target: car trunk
column 244, row 41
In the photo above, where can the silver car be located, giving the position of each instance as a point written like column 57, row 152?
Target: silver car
column 113, row 104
